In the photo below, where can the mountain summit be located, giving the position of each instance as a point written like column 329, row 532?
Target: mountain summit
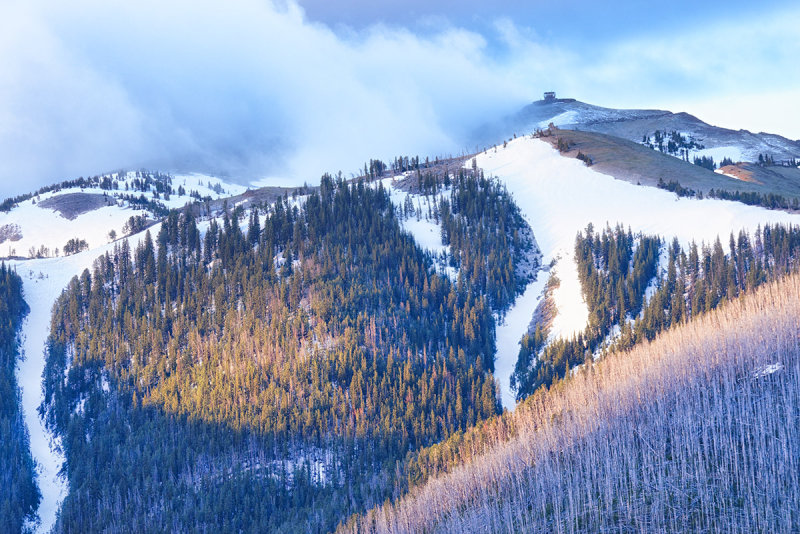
column 640, row 125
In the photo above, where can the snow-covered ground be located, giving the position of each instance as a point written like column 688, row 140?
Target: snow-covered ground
column 562, row 119
column 509, row 333
column 43, row 227
column 35, row 226
column 43, row 281
column 560, row 196
column 425, row 230
column 734, row 153
column 427, row 234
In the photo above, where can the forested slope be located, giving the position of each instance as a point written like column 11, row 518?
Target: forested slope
column 20, row 496
column 617, row 268
column 696, row 431
column 261, row 379
column 489, row 243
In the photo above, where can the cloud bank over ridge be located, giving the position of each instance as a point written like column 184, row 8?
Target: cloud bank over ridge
column 253, row 90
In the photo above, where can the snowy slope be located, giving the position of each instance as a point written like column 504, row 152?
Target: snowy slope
column 560, row 196
column 32, row 225
column 509, row 333
column 43, row 281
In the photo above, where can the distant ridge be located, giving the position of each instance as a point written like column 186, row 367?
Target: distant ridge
column 634, row 125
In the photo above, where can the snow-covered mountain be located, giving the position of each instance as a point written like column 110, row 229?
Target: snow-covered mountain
column 638, row 124
column 52, row 236
column 559, row 196
column 96, row 211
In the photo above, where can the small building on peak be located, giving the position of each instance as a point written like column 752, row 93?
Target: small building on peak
column 550, row 96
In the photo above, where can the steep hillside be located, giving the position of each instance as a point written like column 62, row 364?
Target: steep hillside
column 302, row 354
column 638, row 164
column 629, row 302
column 696, row 431
column 559, row 197
column 63, row 228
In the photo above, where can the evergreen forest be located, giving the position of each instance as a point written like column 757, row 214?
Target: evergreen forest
column 17, row 476
column 616, row 268
column 272, row 370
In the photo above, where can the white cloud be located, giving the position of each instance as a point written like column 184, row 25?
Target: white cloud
column 256, row 90
column 247, row 88
column 723, row 71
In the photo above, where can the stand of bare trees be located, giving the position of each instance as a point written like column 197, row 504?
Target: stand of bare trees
column 698, row 431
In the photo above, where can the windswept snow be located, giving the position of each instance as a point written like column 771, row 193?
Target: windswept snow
column 567, row 117
column 560, row 196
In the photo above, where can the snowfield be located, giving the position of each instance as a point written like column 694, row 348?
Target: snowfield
column 560, row 196
column 734, row 153
column 427, row 234
column 45, row 227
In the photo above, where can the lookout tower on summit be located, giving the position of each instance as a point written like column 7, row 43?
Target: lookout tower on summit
column 550, row 96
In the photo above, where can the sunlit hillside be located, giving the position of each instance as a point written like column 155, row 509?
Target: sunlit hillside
column 697, row 431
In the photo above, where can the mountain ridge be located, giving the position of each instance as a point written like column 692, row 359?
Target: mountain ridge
column 634, row 124
column 498, row 229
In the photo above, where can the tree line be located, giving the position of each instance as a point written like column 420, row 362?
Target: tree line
column 751, row 198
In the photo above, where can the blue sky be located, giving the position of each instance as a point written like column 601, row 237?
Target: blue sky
column 570, row 23
column 285, row 91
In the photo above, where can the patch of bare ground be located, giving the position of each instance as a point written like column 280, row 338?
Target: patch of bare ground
column 738, row 172
column 638, row 164
column 10, row 232
column 72, row 205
